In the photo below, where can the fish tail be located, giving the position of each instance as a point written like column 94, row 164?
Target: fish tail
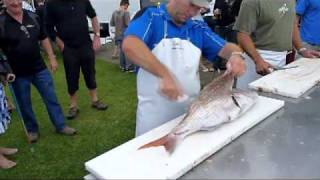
column 168, row 141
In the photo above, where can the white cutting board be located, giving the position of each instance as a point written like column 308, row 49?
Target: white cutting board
column 291, row 82
column 126, row 162
column 89, row 177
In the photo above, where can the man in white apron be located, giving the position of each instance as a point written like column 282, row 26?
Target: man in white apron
column 266, row 31
column 167, row 45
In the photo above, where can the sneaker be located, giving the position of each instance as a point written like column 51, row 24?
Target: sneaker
column 211, row 69
column 33, row 137
column 67, row 131
column 205, row 70
column 131, row 70
column 73, row 112
column 99, row 105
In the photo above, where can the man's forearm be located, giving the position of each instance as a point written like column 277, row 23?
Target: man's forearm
column 140, row 54
column 248, row 46
column 95, row 25
column 228, row 49
column 47, row 47
column 296, row 39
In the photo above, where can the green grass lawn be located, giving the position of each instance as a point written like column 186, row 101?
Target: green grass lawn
column 61, row 157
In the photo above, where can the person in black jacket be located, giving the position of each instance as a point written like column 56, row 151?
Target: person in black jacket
column 20, row 34
column 224, row 24
column 67, row 24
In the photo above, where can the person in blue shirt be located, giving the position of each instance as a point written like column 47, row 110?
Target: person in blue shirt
column 167, row 44
column 308, row 13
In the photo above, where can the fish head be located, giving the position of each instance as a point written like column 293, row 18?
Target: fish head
column 244, row 99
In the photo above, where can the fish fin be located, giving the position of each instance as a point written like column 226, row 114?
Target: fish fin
column 168, row 141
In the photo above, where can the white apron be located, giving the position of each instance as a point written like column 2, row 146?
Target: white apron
column 277, row 59
column 182, row 58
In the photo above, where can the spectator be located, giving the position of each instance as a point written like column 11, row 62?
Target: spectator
column 308, row 14
column 67, row 24
column 120, row 19
column 224, row 22
column 266, row 31
column 5, row 74
column 17, row 25
column 40, row 9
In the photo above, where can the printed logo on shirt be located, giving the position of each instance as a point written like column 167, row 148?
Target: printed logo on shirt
column 283, row 9
column 30, row 26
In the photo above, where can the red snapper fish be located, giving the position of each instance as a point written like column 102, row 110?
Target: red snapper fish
column 216, row 105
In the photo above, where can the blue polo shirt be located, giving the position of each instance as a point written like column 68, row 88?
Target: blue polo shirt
column 309, row 10
column 150, row 25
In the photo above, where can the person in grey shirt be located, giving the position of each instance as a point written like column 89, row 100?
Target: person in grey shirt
column 266, row 31
column 120, row 20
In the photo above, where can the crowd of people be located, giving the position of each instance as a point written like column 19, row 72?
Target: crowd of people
column 247, row 38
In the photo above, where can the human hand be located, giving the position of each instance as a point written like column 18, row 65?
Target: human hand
column 10, row 77
column 309, row 53
column 60, row 45
column 53, row 63
column 263, row 67
column 170, row 88
column 96, row 44
column 236, row 65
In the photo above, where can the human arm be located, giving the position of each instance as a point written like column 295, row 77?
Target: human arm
column 233, row 53
column 49, row 51
column 6, row 73
column 297, row 42
column 96, row 37
column 139, row 54
column 245, row 41
column 126, row 18
column 245, row 25
column 91, row 13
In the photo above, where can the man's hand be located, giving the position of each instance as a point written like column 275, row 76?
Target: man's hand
column 96, row 44
column 236, row 65
column 263, row 67
column 60, row 44
column 53, row 63
column 170, row 88
column 10, row 77
column 309, row 53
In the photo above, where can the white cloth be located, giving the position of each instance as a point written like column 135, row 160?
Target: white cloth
column 27, row 6
column 182, row 58
column 4, row 114
column 277, row 59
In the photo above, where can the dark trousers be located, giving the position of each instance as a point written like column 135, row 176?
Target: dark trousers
column 75, row 59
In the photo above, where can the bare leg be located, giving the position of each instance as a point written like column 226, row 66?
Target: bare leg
column 115, row 52
column 73, row 100
column 8, row 151
column 93, row 95
column 5, row 163
column 73, row 109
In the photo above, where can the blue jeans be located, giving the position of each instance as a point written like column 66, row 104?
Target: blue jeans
column 124, row 62
column 44, row 84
